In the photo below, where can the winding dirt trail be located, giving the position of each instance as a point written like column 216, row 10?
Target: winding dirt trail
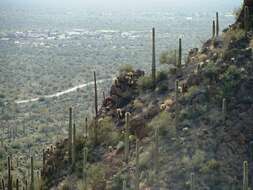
column 58, row 94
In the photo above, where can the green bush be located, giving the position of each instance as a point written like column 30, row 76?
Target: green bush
column 107, row 134
column 161, row 75
column 126, row 68
column 231, row 79
column 145, row 83
column 162, row 88
column 96, row 176
column 168, row 57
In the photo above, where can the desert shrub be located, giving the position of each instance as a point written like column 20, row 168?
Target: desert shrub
column 198, row 158
column 96, row 176
column 162, row 88
column 138, row 104
column 126, row 68
column 164, row 122
column 232, row 36
column 211, row 72
column 161, row 75
column 108, row 135
column 145, row 158
column 210, row 165
column 192, row 112
column 231, row 79
column 168, row 57
column 66, row 185
column 145, row 83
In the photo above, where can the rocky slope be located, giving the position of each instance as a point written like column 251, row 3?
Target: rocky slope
column 205, row 130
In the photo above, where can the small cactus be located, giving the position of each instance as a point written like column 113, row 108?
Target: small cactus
column 32, row 175
column 153, row 58
column 127, row 137
column 245, row 175
column 179, row 64
column 70, row 135
column 217, row 24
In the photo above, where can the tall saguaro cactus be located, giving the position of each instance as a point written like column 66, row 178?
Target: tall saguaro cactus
column 179, row 64
column 156, row 151
column 224, row 108
column 85, row 161
column 137, row 169
column 217, row 24
column 245, row 175
column 74, row 146
column 176, row 101
column 192, row 181
column 124, row 185
column 153, row 58
column 3, row 185
column 70, row 135
column 17, row 184
column 213, row 27
column 9, row 174
column 32, row 175
column 96, row 108
column 127, row 137
column 246, row 18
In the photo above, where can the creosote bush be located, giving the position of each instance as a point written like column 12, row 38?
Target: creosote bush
column 126, row 68
column 145, row 83
column 168, row 57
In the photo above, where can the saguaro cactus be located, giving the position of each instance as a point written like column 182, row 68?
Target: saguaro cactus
column 176, row 102
column 17, row 184
column 70, row 135
column 96, row 108
column 127, row 136
column 124, row 185
column 224, row 108
column 9, row 174
column 137, row 169
column 86, row 128
column 213, row 36
column 32, row 175
column 217, row 24
column 245, row 175
column 43, row 158
column 246, row 18
column 156, row 151
column 74, row 147
column 153, row 59
column 85, row 161
column 192, row 181
column 3, row 185
column 179, row 64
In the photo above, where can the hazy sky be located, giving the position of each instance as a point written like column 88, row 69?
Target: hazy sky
column 123, row 3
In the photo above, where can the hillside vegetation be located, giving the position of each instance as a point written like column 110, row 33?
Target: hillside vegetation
column 185, row 127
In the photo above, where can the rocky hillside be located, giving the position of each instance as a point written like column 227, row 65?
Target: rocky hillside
column 193, row 130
